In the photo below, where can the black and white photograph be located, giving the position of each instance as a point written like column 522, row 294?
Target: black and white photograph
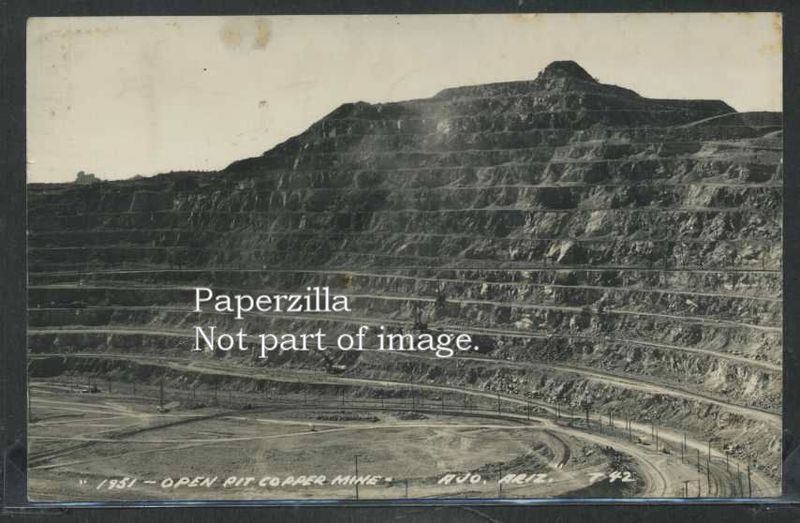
column 404, row 257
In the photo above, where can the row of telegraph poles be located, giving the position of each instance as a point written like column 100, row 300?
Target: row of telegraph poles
column 654, row 435
column 418, row 402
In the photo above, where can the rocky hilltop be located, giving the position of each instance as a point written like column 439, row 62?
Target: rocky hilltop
column 611, row 251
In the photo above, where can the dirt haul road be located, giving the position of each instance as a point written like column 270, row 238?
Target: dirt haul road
column 657, row 467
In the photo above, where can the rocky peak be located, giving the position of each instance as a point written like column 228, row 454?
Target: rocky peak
column 565, row 69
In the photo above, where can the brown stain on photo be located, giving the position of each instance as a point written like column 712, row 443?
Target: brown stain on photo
column 73, row 33
column 242, row 33
column 776, row 47
column 776, row 22
column 231, row 35
column 262, row 34
column 525, row 17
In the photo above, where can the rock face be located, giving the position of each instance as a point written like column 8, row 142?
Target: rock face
column 610, row 249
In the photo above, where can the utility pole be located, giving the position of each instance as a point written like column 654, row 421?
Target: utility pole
column 161, row 393
column 749, row 483
column 499, row 484
column 698, row 459
column 683, row 449
column 406, row 482
column 356, row 482
column 739, row 479
column 498, row 403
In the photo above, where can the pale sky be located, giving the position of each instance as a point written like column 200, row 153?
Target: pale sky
column 119, row 97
